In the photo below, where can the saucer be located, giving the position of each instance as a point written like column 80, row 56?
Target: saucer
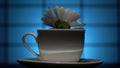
column 34, row 62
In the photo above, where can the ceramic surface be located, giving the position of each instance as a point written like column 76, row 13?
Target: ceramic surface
column 58, row 44
column 35, row 62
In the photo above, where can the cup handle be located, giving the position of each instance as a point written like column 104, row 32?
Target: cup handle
column 26, row 45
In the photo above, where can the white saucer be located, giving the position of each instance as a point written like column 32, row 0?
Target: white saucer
column 84, row 63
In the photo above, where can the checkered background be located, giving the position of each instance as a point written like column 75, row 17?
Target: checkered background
column 20, row 16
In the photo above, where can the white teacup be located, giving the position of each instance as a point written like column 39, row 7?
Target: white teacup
column 58, row 45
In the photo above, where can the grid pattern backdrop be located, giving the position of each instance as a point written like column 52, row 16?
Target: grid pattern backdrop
column 20, row 16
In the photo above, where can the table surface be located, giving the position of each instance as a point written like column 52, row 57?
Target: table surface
column 21, row 66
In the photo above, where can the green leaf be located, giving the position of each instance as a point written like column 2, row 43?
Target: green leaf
column 60, row 24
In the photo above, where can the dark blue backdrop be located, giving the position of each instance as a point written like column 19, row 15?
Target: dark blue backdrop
column 20, row 16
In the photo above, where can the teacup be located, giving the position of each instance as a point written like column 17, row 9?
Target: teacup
column 58, row 45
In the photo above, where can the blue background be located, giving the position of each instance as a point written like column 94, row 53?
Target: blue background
column 20, row 16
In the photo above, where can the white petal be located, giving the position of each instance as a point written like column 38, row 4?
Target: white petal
column 76, row 24
column 47, row 21
column 61, row 13
column 57, row 11
column 53, row 17
column 66, row 14
column 71, row 16
column 75, row 16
